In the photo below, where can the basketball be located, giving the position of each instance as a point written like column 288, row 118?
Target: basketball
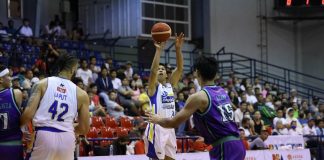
column 161, row 32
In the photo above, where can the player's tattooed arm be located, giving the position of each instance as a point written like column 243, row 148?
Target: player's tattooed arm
column 197, row 101
column 32, row 104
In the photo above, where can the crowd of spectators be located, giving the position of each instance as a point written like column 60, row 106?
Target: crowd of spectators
column 260, row 109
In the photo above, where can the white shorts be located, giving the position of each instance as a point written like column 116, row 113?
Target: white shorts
column 53, row 146
column 160, row 142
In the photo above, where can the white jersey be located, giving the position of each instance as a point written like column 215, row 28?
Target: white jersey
column 163, row 101
column 58, row 106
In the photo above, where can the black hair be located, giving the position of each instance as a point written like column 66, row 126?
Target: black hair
column 207, row 67
column 76, row 80
column 91, row 57
column 92, row 85
column 2, row 67
column 65, row 62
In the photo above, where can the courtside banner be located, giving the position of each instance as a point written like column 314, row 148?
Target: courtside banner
column 285, row 142
column 254, row 155
column 302, row 154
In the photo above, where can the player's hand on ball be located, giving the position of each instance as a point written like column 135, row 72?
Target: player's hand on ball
column 179, row 40
column 159, row 45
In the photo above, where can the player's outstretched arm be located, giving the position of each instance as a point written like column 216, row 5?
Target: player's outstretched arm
column 194, row 103
column 154, row 68
column 83, row 125
column 177, row 73
column 33, row 102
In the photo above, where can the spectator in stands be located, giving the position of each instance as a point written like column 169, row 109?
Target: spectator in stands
column 136, row 81
column 25, row 29
column 25, row 97
column 238, row 113
column 243, row 97
column 314, row 106
column 144, row 99
column 125, row 94
column 258, row 143
column 250, row 97
column 294, row 96
column 109, row 63
column 320, row 113
column 260, row 103
column 180, row 102
column 279, row 118
column 280, row 129
column 304, row 106
column 310, row 128
column 294, row 130
column 94, row 90
column 15, row 83
column 244, row 84
column 27, row 84
column 78, row 81
column 320, row 128
column 290, row 118
column 244, row 139
column 139, row 144
column 257, row 84
column 104, row 85
column 94, row 74
column 257, row 123
column 302, row 118
column 11, row 27
column 2, row 29
column 266, row 89
column 129, row 70
column 246, row 126
column 114, row 109
column 84, row 73
column 93, row 61
column 233, row 98
column 268, row 101
column 115, row 81
column 95, row 109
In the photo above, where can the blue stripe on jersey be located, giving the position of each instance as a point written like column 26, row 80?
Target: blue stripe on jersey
column 151, row 151
column 51, row 129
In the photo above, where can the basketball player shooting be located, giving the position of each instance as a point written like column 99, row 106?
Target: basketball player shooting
column 212, row 113
column 52, row 106
column 160, row 143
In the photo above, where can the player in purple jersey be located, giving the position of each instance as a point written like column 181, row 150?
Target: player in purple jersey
column 10, row 134
column 212, row 113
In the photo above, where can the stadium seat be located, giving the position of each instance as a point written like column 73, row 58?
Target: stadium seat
column 126, row 123
column 106, row 133
column 121, row 132
column 93, row 133
column 111, row 122
column 97, row 122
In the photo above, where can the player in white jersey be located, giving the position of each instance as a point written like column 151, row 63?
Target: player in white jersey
column 53, row 106
column 160, row 143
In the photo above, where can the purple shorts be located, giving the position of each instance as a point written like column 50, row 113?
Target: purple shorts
column 11, row 152
column 231, row 150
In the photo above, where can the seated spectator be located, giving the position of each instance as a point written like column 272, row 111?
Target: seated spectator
column 25, row 97
column 94, row 90
column 25, row 29
column 77, row 32
column 119, row 145
column 238, row 113
column 180, row 102
column 104, row 85
column 109, row 63
column 234, row 98
column 250, row 97
column 314, row 106
column 244, row 139
column 310, row 128
column 11, row 28
column 139, row 144
column 320, row 113
column 257, row 123
column 137, row 81
column 294, row 96
column 95, row 109
column 279, row 118
column 246, row 126
column 84, row 73
column 129, row 70
column 302, row 118
column 244, row 84
column 78, row 81
column 257, row 84
column 304, row 106
column 268, row 102
column 144, row 100
column 27, row 84
column 96, row 68
column 290, row 118
column 280, row 129
column 15, row 83
column 294, row 130
column 258, row 143
column 125, row 94
column 115, row 81
column 94, row 76
column 320, row 128
column 114, row 109
column 260, row 103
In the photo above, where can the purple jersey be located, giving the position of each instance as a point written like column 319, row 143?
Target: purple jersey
column 218, row 119
column 9, row 117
